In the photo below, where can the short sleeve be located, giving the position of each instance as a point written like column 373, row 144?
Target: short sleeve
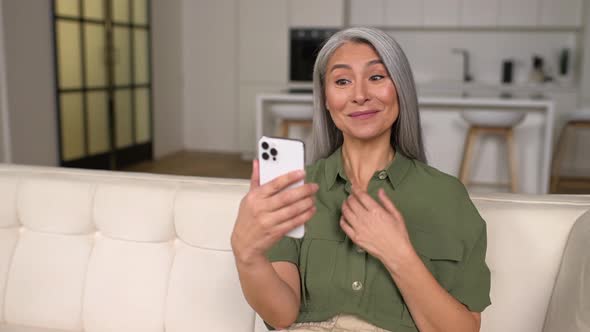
column 286, row 250
column 472, row 285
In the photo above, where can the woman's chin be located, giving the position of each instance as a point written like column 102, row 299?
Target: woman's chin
column 366, row 135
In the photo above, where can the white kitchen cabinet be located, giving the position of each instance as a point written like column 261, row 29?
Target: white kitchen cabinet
column 316, row 14
column 561, row 13
column 480, row 13
column 263, row 41
column 367, row 12
column 442, row 12
column 404, row 13
column 519, row 13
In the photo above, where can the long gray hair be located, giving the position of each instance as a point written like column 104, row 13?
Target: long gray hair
column 406, row 134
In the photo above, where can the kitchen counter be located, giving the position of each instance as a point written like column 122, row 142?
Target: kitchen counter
column 539, row 111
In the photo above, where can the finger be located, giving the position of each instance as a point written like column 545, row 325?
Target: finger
column 298, row 220
column 347, row 228
column 348, row 213
column 291, row 196
column 292, row 210
column 355, row 205
column 388, row 204
column 367, row 201
column 255, row 178
column 282, row 182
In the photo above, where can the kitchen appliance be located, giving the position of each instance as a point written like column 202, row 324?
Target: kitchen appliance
column 507, row 71
column 304, row 47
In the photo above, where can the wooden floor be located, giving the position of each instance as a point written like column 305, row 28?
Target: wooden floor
column 208, row 164
column 225, row 165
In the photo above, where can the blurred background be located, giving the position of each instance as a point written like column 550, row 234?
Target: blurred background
column 187, row 86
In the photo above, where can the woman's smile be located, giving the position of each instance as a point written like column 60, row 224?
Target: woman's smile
column 362, row 115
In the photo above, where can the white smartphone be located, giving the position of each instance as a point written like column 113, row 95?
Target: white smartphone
column 278, row 156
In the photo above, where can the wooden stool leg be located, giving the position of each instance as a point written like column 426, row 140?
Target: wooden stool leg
column 468, row 149
column 512, row 159
column 558, row 157
column 285, row 128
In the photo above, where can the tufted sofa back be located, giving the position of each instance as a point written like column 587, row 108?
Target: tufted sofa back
column 103, row 251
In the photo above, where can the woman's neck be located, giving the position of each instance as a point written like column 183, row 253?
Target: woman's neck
column 362, row 159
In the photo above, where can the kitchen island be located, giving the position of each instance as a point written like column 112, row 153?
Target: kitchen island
column 444, row 133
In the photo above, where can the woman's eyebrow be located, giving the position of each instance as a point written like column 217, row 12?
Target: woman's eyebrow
column 340, row 65
column 374, row 62
column 345, row 66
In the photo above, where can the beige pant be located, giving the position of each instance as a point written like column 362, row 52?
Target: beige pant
column 338, row 323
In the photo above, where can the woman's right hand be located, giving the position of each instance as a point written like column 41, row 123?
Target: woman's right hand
column 267, row 213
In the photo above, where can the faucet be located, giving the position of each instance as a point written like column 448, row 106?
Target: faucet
column 466, row 75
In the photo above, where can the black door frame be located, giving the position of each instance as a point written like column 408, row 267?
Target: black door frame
column 115, row 158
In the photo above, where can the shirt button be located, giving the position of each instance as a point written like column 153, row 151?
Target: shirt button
column 382, row 175
column 357, row 286
column 359, row 250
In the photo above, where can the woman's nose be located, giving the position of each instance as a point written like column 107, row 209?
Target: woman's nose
column 361, row 94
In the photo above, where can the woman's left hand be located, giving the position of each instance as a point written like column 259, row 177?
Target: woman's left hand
column 378, row 229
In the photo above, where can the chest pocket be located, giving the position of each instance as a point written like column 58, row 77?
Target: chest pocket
column 321, row 246
column 441, row 252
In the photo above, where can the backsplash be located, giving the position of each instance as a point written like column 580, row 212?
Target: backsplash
column 430, row 53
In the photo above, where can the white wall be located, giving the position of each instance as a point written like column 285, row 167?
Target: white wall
column 431, row 58
column 167, row 76
column 4, row 130
column 585, row 87
column 30, row 81
column 209, row 58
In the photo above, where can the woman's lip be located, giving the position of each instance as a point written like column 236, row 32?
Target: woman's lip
column 363, row 114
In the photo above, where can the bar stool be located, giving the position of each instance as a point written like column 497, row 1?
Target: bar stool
column 292, row 114
column 495, row 122
column 576, row 120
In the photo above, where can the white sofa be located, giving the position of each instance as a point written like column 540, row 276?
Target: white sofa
column 105, row 251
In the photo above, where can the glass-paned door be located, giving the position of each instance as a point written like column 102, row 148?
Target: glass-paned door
column 103, row 79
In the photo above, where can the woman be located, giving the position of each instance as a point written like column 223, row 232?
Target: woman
column 391, row 244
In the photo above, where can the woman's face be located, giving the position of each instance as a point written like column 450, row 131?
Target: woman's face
column 360, row 95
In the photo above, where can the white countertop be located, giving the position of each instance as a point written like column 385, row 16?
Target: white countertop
column 442, row 99
column 298, row 106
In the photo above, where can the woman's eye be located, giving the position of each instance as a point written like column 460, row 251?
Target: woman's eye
column 377, row 77
column 342, row 81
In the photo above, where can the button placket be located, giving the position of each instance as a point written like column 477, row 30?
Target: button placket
column 357, row 271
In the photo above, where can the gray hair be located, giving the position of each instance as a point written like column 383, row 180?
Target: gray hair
column 406, row 134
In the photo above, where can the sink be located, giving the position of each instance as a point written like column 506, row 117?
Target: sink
column 493, row 118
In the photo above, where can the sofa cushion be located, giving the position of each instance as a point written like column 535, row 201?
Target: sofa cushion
column 526, row 240
column 217, row 207
column 199, row 274
column 135, row 212
column 8, row 192
column 8, row 238
column 56, row 206
column 126, row 286
column 46, row 280
column 20, row 328
column 569, row 309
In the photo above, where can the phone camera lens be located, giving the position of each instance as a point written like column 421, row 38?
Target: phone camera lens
column 273, row 151
column 265, row 156
column 264, row 145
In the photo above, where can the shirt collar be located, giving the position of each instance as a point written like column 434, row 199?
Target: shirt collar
column 396, row 171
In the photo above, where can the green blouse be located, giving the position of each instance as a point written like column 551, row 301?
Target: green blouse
column 337, row 277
